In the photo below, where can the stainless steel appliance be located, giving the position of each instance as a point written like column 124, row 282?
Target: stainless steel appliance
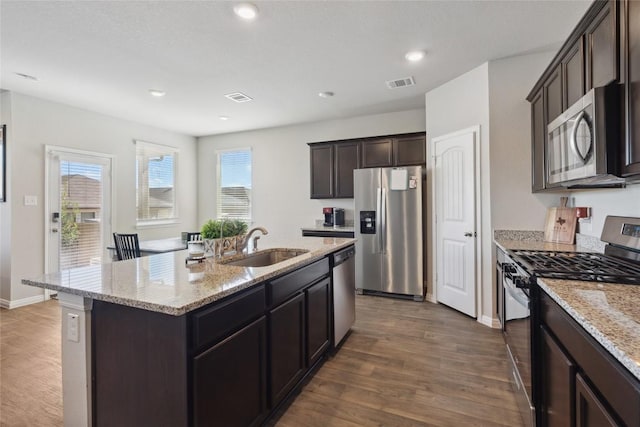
column 388, row 229
column 333, row 217
column 344, row 293
column 583, row 143
column 620, row 263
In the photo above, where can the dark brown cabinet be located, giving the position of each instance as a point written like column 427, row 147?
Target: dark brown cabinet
column 631, row 147
column 318, row 318
column 230, row 379
column 553, row 96
column 347, row 159
column 286, row 334
column 409, row 151
column 538, row 136
column 579, row 381
column 572, row 77
column 322, row 171
column 377, row 153
column 333, row 162
column 590, row 410
column 558, row 372
column 602, row 60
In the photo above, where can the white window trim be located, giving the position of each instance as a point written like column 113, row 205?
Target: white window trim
column 164, row 222
column 218, row 178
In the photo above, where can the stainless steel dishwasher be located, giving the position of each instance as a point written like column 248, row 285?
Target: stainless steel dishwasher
column 344, row 293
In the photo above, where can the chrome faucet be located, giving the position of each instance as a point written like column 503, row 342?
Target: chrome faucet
column 254, row 240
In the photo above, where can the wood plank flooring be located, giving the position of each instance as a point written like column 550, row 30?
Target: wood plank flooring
column 404, row 364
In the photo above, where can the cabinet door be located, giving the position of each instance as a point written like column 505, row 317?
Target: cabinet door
column 590, row 411
column 321, row 171
column 631, row 152
column 572, row 76
column 286, row 334
column 347, row 158
column 538, row 136
column 558, row 373
column 553, row 96
column 318, row 318
column 229, row 380
column 409, row 151
column 377, row 153
column 601, row 48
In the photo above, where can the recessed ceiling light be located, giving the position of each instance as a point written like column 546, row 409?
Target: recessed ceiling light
column 157, row 93
column 327, row 94
column 248, row 11
column 415, row 55
column 223, row 117
column 27, row 76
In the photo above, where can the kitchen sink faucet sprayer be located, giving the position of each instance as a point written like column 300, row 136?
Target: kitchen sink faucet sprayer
column 254, row 243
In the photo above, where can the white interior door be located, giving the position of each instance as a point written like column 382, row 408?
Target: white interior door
column 78, row 213
column 455, row 251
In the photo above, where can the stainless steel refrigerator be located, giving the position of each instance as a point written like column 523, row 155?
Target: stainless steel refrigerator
column 388, row 228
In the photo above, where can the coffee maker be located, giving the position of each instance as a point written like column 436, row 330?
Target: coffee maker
column 333, row 217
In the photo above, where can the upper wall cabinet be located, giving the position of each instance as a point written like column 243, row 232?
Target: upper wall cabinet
column 606, row 39
column 332, row 163
column 631, row 49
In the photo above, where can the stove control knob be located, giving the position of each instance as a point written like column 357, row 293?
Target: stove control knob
column 521, row 283
column 509, row 268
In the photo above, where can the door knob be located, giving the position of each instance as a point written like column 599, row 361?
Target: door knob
column 468, row 234
column 54, row 230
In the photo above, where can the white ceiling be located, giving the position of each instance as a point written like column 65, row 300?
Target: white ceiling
column 104, row 56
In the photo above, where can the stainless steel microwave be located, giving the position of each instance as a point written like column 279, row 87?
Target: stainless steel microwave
column 583, row 144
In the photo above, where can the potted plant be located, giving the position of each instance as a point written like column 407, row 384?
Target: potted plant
column 223, row 235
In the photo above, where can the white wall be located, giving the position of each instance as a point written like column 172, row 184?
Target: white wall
column 513, row 205
column 36, row 123
column 459, row 104
column 603, row 202
column 281, row 172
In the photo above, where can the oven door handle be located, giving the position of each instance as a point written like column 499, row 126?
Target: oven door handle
column 517, row 294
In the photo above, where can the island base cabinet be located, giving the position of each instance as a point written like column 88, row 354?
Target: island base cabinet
column 230, row 380
column 558, row 373
column 286, row 335
column 590, row 411
column 318, row 317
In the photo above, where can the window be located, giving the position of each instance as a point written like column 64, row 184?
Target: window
column 234, row 184
column 155, row 182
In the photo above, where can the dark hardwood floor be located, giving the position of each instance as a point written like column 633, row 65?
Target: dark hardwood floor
column 404, row 364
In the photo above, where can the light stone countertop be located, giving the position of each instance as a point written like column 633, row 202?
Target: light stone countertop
column 163, row 282
column 609, row 312
column 346, row 229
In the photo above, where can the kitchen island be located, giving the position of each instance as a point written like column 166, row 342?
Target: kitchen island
column 153, row 341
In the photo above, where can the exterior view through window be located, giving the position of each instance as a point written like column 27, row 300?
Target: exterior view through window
column 155, row 182
column 234, row 184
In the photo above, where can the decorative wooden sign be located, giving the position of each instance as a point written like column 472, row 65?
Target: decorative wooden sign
column 560, row 226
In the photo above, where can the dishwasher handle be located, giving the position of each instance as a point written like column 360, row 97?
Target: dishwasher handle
column 343, row 256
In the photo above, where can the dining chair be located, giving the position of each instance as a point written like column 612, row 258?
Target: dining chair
column 127, row 246
column 194, row 237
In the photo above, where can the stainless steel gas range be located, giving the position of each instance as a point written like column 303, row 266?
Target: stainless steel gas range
column 620, row 263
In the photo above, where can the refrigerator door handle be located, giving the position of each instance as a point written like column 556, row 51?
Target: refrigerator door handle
column 379, row 218
column 383, row 222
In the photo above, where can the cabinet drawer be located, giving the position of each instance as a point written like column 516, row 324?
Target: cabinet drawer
column 611, row 379
column 282, row 288
column 212, row 324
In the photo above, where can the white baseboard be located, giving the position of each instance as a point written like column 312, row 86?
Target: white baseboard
column 489, row 321
column 4, row 303
column 429, row 297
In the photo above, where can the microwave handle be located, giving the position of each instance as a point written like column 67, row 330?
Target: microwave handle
column 574, row 138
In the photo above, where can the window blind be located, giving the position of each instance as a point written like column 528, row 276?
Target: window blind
column 155, row 181
column 80, row 214
column 234, row 184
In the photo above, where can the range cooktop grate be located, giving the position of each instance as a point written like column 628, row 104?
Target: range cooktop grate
column 584, row 266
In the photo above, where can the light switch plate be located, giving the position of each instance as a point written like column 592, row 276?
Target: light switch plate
column 31, row 200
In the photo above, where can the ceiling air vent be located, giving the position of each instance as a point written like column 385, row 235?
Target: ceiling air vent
column 407, row 81
column 238, row 97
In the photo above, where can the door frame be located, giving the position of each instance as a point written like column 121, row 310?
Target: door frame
column 475, row 130
column 111, row 223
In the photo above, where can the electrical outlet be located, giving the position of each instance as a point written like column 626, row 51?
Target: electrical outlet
column 73, row 326
column 31, row 200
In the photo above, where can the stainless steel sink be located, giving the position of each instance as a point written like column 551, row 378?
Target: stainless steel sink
column 265, row 257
